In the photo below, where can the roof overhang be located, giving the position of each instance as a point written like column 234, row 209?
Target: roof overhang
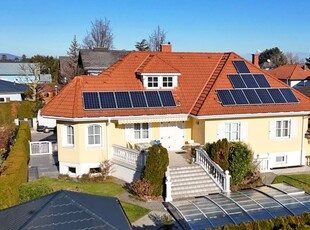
column 156, row 74
column 251, row 115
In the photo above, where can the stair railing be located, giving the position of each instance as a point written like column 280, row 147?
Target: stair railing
column 217, row 174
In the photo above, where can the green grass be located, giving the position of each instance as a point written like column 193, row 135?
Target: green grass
column 298, row 180
column 133, row 212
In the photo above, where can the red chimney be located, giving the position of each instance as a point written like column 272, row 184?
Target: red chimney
column 255, row 59
column 166, row 47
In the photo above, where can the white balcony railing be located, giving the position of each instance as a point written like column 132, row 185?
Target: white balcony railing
column 128, row 156
column 221, row 178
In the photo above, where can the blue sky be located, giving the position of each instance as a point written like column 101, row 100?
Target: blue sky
column 48, row 27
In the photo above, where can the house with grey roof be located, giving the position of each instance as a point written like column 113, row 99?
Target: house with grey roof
column 11, row 91
column 66, row 210
column 94, row 61
column 23, row 73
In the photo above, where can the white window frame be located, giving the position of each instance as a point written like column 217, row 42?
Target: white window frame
column 94, row 135
column 172, row 79
column 280, row 129
column 141, row 131
column 169, row 80
column 151, row 81
column 68, row 138
column 229, row 133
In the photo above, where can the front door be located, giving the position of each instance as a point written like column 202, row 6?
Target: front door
column 172, row 135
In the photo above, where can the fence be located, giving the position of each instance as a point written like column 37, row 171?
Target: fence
column 41, row 147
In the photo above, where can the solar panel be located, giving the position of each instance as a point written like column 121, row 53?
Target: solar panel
column 264, row 96
column 107, row 100
column 226, row 97
column 239, row 97
column 138, row 99
column 236, row 81
column 289, row 95
column 241, row 66
column 91, row 100
column 276, row 95
column 152, row 98
column 123, row 100
column 167, row 98
column 261, row 80
column 249, row 80
column 252, row 96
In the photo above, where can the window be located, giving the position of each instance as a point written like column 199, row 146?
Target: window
column 94, row 135
column 141, row 131
column 152, row 82
column 167, row 81
column 281, row 159
column 70, row 135
column 283, row 128
column 232, row 131
column 1, row 99
column 72, row 170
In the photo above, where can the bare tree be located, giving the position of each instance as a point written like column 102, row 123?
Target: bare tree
column 31, row 73
column 100, row 35
column 157, row 38
column 293, row 58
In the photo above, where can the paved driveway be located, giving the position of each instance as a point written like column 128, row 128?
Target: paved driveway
column 43, row 165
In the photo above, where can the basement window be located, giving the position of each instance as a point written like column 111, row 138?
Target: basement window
column 72, row 170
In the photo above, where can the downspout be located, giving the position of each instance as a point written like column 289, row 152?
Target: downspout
column 108, row 138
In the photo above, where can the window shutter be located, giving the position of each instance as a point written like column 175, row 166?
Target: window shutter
column 293, row 124
column 243, row 131
column 221, row 131
column 129, row 134
column 272, row 129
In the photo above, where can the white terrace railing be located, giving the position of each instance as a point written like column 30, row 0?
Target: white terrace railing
column 41, row 147
column 221, row 178
column 129, row 157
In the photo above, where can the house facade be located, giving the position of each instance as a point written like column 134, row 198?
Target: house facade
column 11, row 91
column 177, row 98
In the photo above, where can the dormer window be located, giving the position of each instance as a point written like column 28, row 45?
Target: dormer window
column 159, row 81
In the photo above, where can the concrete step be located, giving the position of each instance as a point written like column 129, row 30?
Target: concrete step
column 200, row 183
column 190, row 178
column 194, row 193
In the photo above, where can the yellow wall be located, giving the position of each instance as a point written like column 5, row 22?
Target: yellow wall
column 198, row 131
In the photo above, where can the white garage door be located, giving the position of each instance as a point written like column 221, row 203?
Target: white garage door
column 172, row 135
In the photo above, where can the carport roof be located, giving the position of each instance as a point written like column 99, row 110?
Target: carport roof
column 216, row 210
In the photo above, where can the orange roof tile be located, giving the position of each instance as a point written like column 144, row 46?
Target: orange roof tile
column 291, row 72
column 201, row 75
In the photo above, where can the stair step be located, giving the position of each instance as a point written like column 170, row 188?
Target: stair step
column 188, row 171
column 189, row 178
column 192, row 187
column 194, row 192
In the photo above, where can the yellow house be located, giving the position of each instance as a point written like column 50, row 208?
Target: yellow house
column 174, row 98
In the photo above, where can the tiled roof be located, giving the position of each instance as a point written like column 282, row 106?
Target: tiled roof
column 291, row 72
column 11, row 87
column 66, row 210
column 201, row 75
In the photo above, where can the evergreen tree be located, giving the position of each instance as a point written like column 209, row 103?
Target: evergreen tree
column 4, row 58
column 73, row 51
column 273, row 55
column 142, row 46
column 308, row 62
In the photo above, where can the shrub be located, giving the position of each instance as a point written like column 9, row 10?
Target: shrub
column 240, row 161
column 166, row 221
column 6, row 117
column 142, row 188
column 218, row 152
column 157, row 161
column 32, row 190
column 26, row 109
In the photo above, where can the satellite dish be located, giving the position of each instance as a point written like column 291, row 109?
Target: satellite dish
column 268, row 60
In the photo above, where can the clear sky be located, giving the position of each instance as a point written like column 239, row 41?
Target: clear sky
column 244, row 26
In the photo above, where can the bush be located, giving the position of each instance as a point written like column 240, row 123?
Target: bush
column 15, row 168
column 32, row 190
column 240, row 161
column 157, row 161
column 26, row 109
column 219, row 152
column 142, row 188
column 6, row 117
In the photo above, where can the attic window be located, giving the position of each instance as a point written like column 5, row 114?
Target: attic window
column 152, row 82
column 160, row 80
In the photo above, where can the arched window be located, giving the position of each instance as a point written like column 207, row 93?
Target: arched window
column 70, row 135
column 94, row 135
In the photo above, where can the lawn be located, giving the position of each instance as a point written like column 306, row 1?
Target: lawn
column 133, row 212
column 298, row 180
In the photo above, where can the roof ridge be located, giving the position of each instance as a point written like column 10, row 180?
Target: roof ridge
column 209, row 84
column 294, row 69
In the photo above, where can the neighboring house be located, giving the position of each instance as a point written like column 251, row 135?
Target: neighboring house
column 94, row 61
column 66, row 69
column 22, row 73
column 47, row 92
column 295, row 75
column 178, row 97
column 66, row 210
column 10, row 91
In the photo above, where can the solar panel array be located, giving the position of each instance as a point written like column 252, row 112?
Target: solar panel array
column 248, row 81
column 128, row 99
column 256, row 96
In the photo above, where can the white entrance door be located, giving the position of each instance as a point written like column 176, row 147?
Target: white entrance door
column 172, row 135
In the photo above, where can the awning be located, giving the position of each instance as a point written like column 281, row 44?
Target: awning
column 151, row 119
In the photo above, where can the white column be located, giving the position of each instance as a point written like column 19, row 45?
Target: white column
column 168, row 186
column 227, row 182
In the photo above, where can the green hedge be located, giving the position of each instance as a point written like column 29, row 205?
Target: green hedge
column 6, row 117
column 26, row 109
column 15, row 168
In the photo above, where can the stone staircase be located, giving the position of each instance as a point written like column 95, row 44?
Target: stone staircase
column 191, row 181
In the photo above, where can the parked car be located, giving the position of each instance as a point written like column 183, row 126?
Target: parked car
column 45, row 124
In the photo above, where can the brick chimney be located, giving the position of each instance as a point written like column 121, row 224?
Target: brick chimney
column 166, row 47
column 255, row 59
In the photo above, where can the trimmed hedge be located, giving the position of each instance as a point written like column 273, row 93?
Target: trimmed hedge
column 6, row 117
column 26, row 109
column 15, row 168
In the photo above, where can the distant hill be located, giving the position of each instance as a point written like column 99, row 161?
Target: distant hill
column 9, row 56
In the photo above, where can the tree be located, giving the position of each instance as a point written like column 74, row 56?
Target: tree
column 73, row 51
column 274, row 55
column 24, row 58
column 4, row 57
column 142, row 46
column 48, row 65
column 100, row 36
column 157, row 38
column 293, row 58
column 308, row 62
column 32, row 73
